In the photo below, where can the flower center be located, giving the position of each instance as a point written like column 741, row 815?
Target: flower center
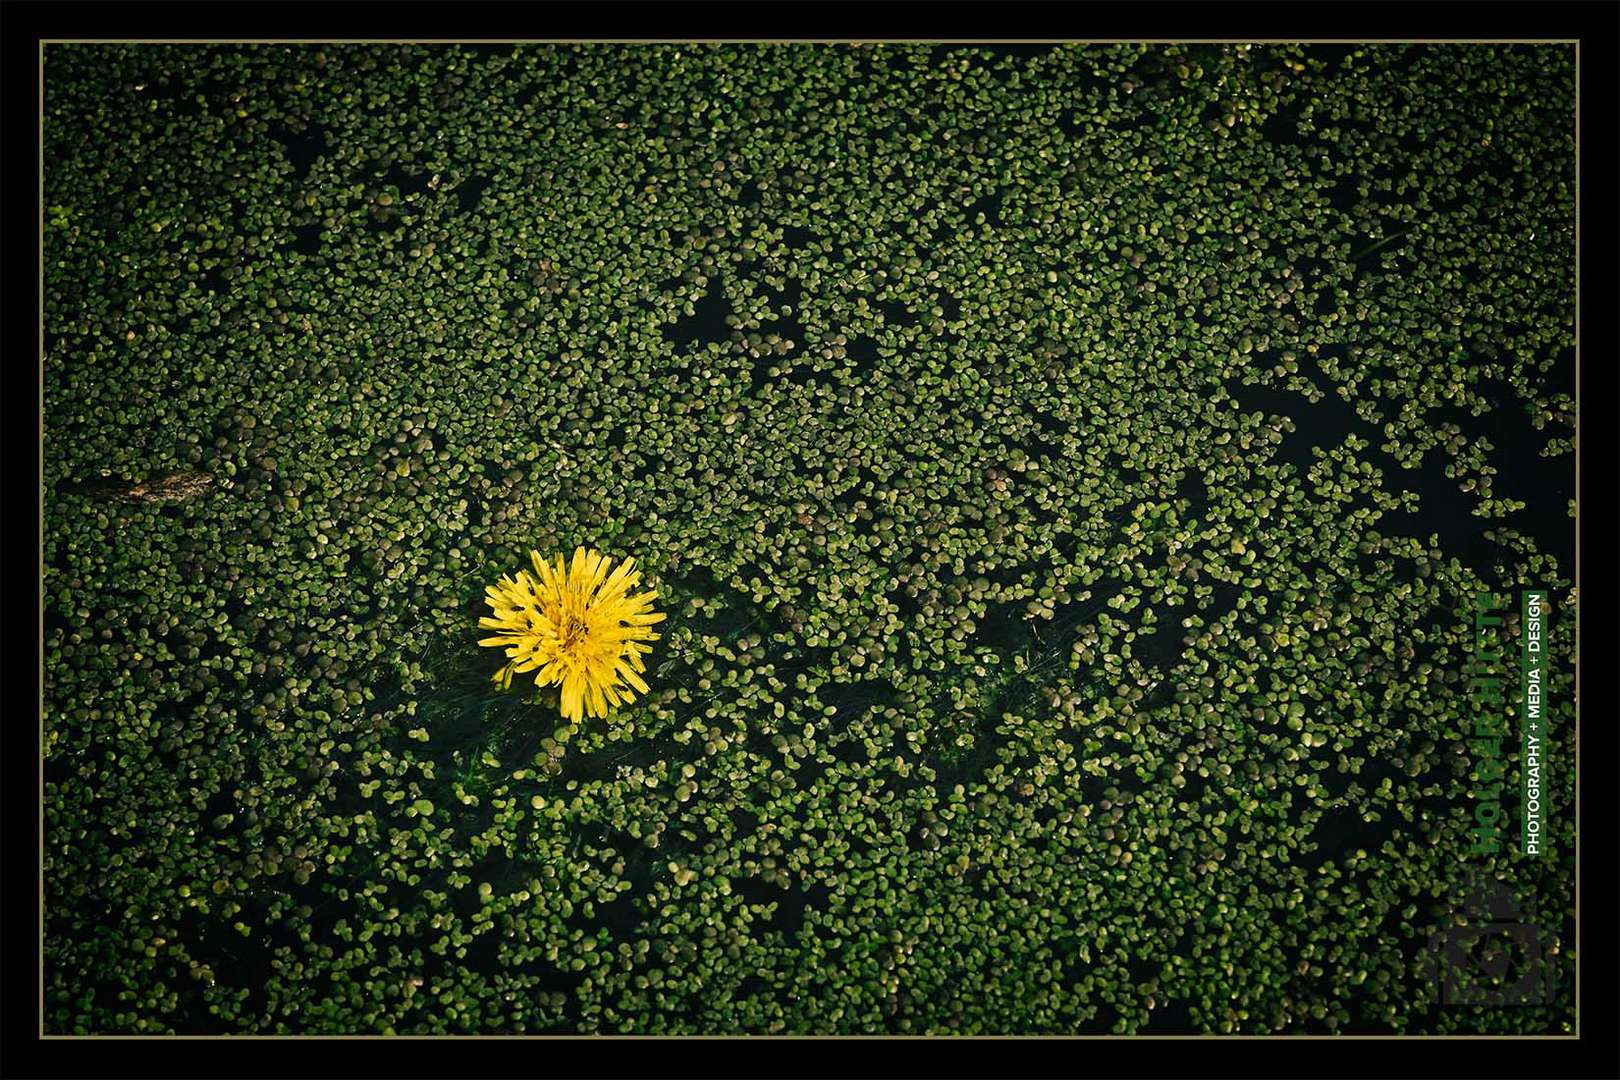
column 574, row 631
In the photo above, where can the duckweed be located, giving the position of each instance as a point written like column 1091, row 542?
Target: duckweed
column 1066, row 471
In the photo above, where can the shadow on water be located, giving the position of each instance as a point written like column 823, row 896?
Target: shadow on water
column 307, row 239
column 854, row 699
column 303, row 148
column 408, row 183
column 988, row 205
column 792, row 904
column 470, row 191
column 707, row 321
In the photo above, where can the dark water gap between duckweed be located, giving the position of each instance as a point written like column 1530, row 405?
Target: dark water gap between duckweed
column 1543, row 484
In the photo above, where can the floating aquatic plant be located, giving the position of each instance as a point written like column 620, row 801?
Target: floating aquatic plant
column 576, row 627
column 1043, row 484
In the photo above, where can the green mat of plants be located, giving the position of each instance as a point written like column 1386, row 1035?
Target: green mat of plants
column 1068, row 473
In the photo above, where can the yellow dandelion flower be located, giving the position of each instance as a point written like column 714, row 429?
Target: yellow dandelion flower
column 577, row 627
